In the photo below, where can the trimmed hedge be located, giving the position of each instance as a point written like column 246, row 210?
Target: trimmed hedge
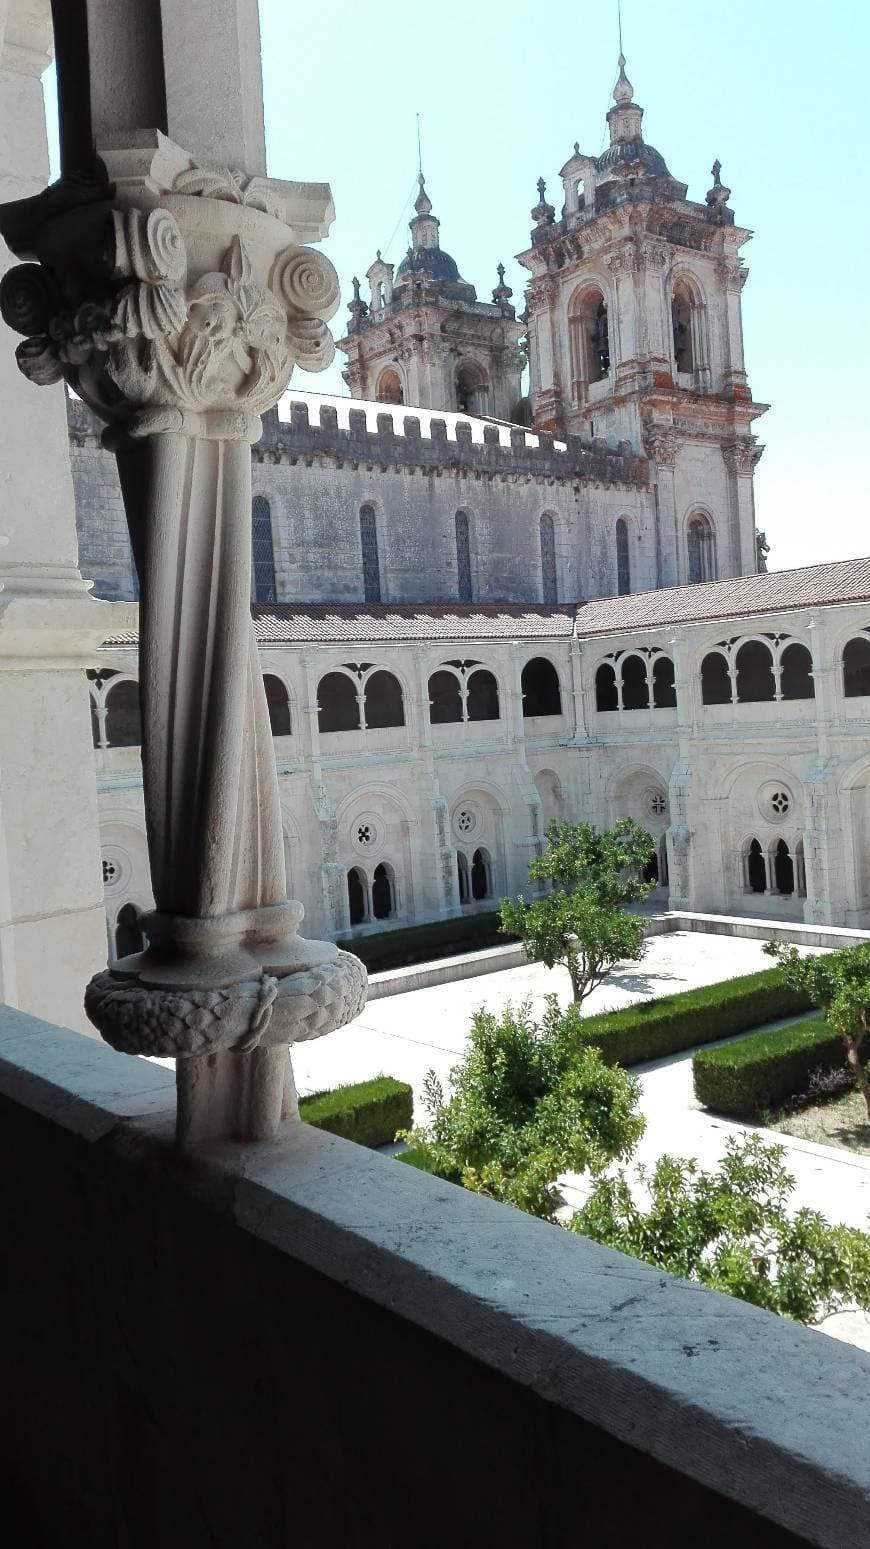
column 744, row 1079
column 657, row 1027
column 424, row 943
column 370, row 1112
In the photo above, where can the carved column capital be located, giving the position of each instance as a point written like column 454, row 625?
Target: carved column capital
column 175, row 301
column 741, row 455
column 662, row 446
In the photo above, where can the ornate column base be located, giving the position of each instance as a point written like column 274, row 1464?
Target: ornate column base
column 225, row 996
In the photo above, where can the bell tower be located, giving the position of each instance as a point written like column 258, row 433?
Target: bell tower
column 635, row 333
column 424, row 339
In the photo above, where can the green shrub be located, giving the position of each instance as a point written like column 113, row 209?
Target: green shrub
column 423, row 943
column 745, row 1078
column 371, row 1112
column 529, row 1101
column 657, row 1027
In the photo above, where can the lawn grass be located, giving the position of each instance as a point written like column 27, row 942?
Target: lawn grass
column 835, row 1121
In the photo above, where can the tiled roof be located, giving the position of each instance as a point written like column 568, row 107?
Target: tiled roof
column 811, row 586
column 362, row 622
column 297, row 624
column 845, row 580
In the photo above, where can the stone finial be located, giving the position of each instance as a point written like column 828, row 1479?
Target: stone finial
column 502, row 292
column 576, row 147
column 623, row 91
column 718, row 195
column 422, row 203
column 543, row 213
column 357, row 307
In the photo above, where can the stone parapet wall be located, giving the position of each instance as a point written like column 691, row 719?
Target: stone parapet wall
column 399, row 441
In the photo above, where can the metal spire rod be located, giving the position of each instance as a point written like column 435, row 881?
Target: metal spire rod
column 419, row 149
column 619, row 19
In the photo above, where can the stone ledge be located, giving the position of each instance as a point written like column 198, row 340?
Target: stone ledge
column 718, row 1391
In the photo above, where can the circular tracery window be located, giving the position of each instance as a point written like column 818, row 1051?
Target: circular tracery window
column 656, row 804
column 775, row 801
column 365, row 832
column 110, row 873
column 466, row 821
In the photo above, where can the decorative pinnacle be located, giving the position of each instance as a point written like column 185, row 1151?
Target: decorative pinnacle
column 542, row 188
column 502, row 292
column 623, row 91
column 422, row 204
column 576, row 147
column 716, row 170
column 718, row 195
column 355, row 283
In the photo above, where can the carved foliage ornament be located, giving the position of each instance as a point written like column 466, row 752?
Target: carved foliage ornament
column 112, row 306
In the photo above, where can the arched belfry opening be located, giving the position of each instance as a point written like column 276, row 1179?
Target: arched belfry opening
column 589, row 331
column 472, row 389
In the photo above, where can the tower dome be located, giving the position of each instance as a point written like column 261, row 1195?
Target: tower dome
column 426, row 259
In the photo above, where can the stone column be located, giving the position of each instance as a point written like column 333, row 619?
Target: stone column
column 740, row 458
column 52, row 916
column 661, row 445
column 176, row 298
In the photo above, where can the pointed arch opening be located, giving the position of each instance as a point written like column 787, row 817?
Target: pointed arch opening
column 357, row 895
column 464, row 588
column 463, row 877
column 755, row 871
column 371, row 563
column 383, row 892
column 623, row 559
column 481, row 875
column 635, row 683
column 783, row 869
column 262, row 552
column 548, row 559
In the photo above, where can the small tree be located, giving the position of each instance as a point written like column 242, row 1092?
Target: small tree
column 583, row 923
column 839, row 985
column 734, row 1230
column 529, row 1102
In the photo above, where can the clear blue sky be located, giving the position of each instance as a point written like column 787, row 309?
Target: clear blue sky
column 776, row 90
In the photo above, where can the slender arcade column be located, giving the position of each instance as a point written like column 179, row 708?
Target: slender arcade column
column 176, row 297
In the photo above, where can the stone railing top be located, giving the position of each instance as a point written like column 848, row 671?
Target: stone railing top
column 755, row 1407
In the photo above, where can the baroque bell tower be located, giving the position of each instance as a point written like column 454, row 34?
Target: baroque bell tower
column 424, row 339
column 635, row 333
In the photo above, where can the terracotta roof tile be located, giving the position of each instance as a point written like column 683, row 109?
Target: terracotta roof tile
column 846, row 580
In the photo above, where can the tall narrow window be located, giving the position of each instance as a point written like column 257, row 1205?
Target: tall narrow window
column 548, row 559
column 263, row 553
column 463, row 557
column 623, row 559
column 701, row 544
column 368, row 533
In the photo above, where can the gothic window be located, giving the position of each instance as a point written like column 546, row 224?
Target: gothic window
column 548, row 559
column 128, row 932
column 463, row 877
column 755, row 680
column 715, row 680
column 606, row 697
column 664, row 691
column 783, row 869
column 635, row 685
column 472, row 389
column 463, row 557
column 540, row 688
column 856, row 668
column 623, row 559
column 701, row 545
column 337, row 703
column 123, row 716
column 796, row 673
column 756, row 871
column 357, row 895
column 383, row 892
column 445, row 698
column 278, row 704
column 371, row 565
column 262, row 552
column 482, row 701
column 389, row 388
column 481, row 875
column 383, row 704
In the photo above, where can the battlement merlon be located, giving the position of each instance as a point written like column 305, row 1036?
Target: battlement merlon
column 398, row 440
